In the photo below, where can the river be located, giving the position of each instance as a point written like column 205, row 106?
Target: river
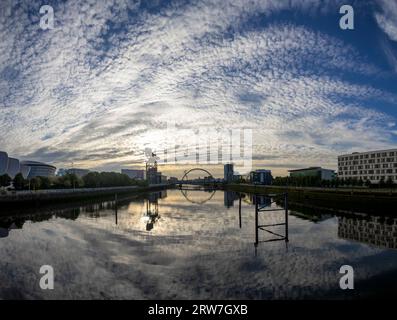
column 194, row 244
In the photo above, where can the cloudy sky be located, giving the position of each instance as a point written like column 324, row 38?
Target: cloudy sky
column 105, row 83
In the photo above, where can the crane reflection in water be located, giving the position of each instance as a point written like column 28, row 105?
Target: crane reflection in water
column 151, row 215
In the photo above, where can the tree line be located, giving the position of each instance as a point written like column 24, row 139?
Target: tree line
column 70, row 180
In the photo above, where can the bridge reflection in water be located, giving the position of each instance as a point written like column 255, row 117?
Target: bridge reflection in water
column 373, row 230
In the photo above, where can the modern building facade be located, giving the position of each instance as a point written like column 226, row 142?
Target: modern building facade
column 78, row 172
column 25, row 170
column 228, row 172
column 13, row 167
column 316, row 172
column 28, row 169
column 372, row 165
column 39, row 169
column 263, row 177
column 3, row 162
column 134, row 174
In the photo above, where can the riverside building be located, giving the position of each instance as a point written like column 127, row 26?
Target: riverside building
column 371, row 165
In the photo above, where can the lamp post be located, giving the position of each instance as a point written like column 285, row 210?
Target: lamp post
column 74, row 182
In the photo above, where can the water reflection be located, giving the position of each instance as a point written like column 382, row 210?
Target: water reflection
column 187, row 190
column 378, row 231
column 160, row 245
column 374, row 230
column 229, row 197
column 152, row 208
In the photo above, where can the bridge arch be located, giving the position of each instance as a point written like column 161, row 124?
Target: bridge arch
column 197, row 169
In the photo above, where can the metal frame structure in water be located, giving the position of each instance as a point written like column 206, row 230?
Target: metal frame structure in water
column 264, row 227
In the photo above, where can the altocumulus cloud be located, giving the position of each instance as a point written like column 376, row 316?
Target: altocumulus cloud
column 111, row 74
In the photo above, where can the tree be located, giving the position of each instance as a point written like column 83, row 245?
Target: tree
column 91, row 180
column 389, row 182
column 45, row 183
column 368, row 183
column 382, row 182
column 35, row 183
column 19, row 182
column 5, row 180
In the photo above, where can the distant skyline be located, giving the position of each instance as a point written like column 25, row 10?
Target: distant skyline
column 101, row 86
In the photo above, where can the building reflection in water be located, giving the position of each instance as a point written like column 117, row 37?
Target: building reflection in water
column 378, row 231
column 262, row 206
column 373, row 230
column 229, row 197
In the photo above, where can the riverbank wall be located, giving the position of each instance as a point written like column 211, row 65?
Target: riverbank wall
column 39, row 197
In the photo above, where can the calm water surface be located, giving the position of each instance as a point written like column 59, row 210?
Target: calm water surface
column 174, row 245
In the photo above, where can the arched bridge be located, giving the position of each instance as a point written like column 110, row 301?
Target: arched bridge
column 196, row 169
column 203, row 182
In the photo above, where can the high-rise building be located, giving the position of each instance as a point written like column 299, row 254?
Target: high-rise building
column 371, row 165
column 134, row 174
column 228, row 172
column 262, row 176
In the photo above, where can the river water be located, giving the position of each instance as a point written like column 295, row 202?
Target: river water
column 195, row 244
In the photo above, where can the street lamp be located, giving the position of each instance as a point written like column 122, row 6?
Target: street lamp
column 74, row 183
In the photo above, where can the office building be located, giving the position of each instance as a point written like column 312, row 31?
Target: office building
column 371, row 165
column 134, row 174
column 78, row 172
column 263, row 177
column 315, row 172
column 228, row 172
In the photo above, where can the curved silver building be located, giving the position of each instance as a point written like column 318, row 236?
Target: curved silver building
column 29, row 169
column 25, row 171
column 13, row 167
column 37, row 169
